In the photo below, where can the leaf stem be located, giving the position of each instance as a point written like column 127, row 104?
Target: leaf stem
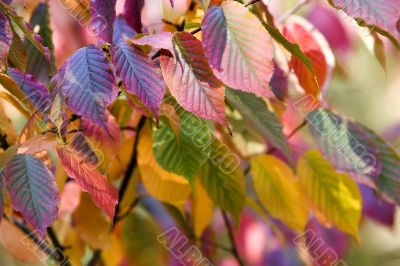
column 232, row 238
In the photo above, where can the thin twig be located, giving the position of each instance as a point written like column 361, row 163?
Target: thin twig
column 252, row 2
column 232, row 238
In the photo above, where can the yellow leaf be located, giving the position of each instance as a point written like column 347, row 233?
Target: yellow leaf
column 202, row 209
column 91, row 224
column 113, row 255
column 335, row 198
column 120, row 163
column 162, row 185
column 277, row 189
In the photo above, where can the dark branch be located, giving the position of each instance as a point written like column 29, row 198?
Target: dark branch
column 232, row 238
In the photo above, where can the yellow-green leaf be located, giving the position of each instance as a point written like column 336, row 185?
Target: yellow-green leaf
column 279, row 191
column 335, row 198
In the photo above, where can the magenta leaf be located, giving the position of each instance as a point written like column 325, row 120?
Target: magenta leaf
column 36, row 93
column 377, row 209
column 191, row 80
column 103, row 15
column 122, row 31
column 88, row 84
column 133, row 13
column 238, row 48
column 139, row 74
column 5, row 38
column 380, row 15
column 33, row 190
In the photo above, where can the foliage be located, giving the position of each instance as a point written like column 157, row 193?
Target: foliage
column 161, row 127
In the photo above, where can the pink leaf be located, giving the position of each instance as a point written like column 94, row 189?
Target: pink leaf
column 90, row 180
column 139, row 74
column 32, row 190
column 162, row 40
column 238, row 48
column 191, row 80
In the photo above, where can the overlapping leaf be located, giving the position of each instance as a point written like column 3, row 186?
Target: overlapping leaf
column 381, row 15
column 238, row 48
column 5, row 38
column 33, row 190
column 133, row 13
column 255, row 112
column 346, row 145
column 17, row 54
column 162, row 40
column 222, row 178
column 39, row 65
column 139, row 74
column 278, row 191
column 191, row 80
column 122, row 31
column 335, row 199
column 388, row 181
column 315, row 47
column 88, row 84
column 103, row 13
column 35, row 92
column 162, row 185
column 103, row 194
column 182, row 153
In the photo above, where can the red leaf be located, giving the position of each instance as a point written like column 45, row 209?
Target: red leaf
column 314, row 45
column 103, row 194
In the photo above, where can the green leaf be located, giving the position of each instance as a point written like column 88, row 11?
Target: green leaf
column 279, row 191
column 181, row 154
column 17, row 54
column 222, row 178
column 257, row 114
column 139, row 238
column 19, row 22
column 334, row 198
column 38, row 64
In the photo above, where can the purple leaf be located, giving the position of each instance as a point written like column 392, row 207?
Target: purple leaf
column 5, row 38
column 381, row 14
column 133, row 14
column 139, row 74
column 103, row 14
column 88, row 84
column 238, row 48
column 375, row 208
column 33, row 191
column 36, row 93
column 122, row 31
column 279, row 83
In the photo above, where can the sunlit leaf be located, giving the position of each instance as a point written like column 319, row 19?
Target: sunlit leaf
column 238, row 48
column 33, row 190
column 88, row 84
column 181, row 153
column 334, row 198
column 84, row 174
column 162, row 40
column 380, row 15
column 162, row 185
column 256, row 113
column 38, row 143
column 279, row 191
column 191, row 80
column 315, row 47
column 222, row 178
column 203, row 209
